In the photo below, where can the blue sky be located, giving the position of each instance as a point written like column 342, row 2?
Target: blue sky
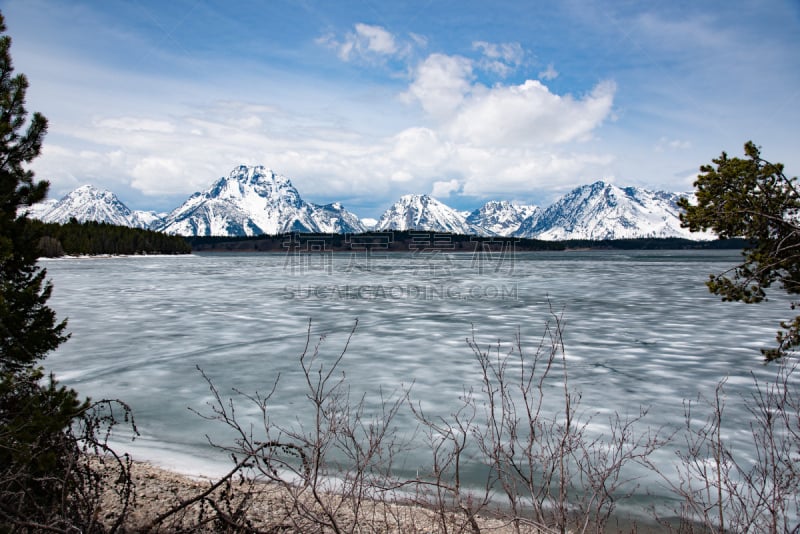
column 364, row 101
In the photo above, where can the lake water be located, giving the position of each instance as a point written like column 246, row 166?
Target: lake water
column 641, row 330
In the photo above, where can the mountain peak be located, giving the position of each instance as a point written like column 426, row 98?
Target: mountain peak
column 410, row 198
column 257, row 174
column 92, row 191
column 90, row 203
column 254, row 200
column 86, row 188
column 423, row 212
column 501, row 217
column 254, row 173
column 254, row 184
column 602, row 211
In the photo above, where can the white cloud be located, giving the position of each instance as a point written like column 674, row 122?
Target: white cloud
column 376, row 39
column 463, row 138
column 507, row 52
column 500, row 58
column 442, row 189
column 402, row 176
column 529, row 114
column 550, row 73
column 420, row 147
column 504, row 138
column 420, row 40
column 501, row 140
column 413, row 160
column 157, row 175
column 134, row 124
column 128, row 108
column 524, row 171
column 441, row 83
column 665, row 143
column 365, row 42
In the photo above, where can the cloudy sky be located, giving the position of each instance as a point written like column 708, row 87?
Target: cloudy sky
column 362, row 101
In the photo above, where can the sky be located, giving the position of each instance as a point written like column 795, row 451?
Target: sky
column 362, row 101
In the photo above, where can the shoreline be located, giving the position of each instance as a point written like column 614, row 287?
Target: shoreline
column 270, row 506
column 267, row 506
column 109, row 256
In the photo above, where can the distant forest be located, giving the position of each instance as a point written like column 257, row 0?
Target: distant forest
column 419, row 240
column 92, row 238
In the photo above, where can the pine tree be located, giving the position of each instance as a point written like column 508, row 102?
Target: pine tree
column 28, row 328
column 752, row 198
column 35, row 414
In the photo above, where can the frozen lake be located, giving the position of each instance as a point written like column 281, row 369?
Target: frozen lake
column 641, row 330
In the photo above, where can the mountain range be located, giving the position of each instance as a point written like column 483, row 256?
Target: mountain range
column 256, row 200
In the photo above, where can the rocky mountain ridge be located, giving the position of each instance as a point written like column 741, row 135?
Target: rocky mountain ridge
column 88, row 203
column 256, row 200
column 253, row 201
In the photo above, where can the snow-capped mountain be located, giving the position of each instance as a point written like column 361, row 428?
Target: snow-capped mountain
column 605, row 211
column 253, row 201
column 501, row 217
column 88, row 203
column 422, row 212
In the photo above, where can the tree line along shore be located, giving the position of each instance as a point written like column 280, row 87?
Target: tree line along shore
column 418, row 240
column 92, row 238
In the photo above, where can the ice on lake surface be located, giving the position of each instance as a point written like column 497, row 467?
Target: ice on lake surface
column 641, row 329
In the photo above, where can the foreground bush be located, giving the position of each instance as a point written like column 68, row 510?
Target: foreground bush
column 336, row 465
column 45, row 429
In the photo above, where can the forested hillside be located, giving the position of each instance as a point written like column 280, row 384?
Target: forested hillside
column 76, row 238
column 405, row 241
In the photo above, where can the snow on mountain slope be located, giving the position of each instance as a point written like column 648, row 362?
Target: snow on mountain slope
column 253, row 201
column 422, row 212
column 147, row 219
column 40, row 209
column 501, row 217
column 88, row 203
column 333, row 218
column 369, row 223
column 605, row 211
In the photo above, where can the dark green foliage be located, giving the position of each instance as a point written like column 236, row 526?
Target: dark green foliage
column 28, row 328
column 753, row 199
column 42, row 485
column 403, row 241
column 395, row 241
column 47, row 436
column 30, row 413
column 90, row 238
column 33, row 419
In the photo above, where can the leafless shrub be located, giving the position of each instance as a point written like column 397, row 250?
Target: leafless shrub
column 722, row 489
column 335, row 464
column 86, row 470
column 447, row 438
column 550, row 470
column 91, row 433
column 328, row 469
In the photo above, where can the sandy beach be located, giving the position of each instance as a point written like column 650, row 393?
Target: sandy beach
column 272, row 508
